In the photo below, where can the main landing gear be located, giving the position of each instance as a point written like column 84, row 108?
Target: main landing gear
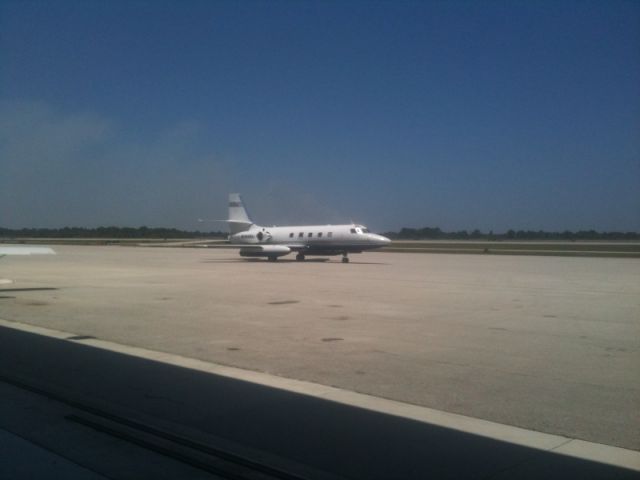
column 345, row 259
column 300, row 257
column 272, row 258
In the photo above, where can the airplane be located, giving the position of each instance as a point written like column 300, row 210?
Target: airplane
column 274, row 242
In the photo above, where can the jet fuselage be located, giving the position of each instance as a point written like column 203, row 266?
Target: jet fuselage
column 313, row 239
column 273, row 242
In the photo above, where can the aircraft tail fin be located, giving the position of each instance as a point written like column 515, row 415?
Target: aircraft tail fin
column 239, row 220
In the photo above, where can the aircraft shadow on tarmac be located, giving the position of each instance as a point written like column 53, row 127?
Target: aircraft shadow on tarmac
column 344, row 441
column 287, row 261
column 34, row 289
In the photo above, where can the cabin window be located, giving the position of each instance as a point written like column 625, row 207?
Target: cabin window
column 291, row 235
column 300, row 235
column 310, row 234
column 330, row 234
column 353, row 230
column 320, row 235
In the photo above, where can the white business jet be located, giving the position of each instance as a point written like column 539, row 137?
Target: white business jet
column 273, row 242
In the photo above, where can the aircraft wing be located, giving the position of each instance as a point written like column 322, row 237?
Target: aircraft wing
column 266, row 248
column 259, row 250
column 25, row 250
column 296, row 247
column 22, row 250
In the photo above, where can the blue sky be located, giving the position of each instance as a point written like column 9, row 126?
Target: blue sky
column 462, row 115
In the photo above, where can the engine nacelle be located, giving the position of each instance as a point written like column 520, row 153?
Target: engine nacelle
column 265, row 251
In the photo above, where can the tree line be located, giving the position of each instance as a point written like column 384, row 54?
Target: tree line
column 426, row 233
column 429, row 233
column 107, row 232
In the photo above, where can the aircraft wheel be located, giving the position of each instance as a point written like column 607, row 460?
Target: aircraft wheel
column 273, row 259
column 345, row 259
column 300, row 257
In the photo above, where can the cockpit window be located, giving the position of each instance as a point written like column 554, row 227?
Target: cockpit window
column 353, row 230
column 365, row 230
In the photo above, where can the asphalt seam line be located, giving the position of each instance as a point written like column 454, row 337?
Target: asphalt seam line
column 607, row 454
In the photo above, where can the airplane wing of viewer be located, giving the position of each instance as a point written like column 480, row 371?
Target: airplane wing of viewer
column 273, row 242
column 25, row 250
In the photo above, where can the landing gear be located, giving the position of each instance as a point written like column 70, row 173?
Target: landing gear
column 345, row 259
column 272, row 259
column 300, row 257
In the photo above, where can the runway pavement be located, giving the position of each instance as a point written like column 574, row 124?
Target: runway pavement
column 544, row 343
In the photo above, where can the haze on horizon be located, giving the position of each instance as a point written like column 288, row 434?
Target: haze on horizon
column 460, row 115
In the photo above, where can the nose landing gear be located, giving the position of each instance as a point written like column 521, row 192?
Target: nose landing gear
column 345, row 259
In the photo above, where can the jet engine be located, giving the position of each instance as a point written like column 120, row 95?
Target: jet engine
column 263, row 236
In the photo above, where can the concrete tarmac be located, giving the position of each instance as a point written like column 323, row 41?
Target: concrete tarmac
column 544, row 343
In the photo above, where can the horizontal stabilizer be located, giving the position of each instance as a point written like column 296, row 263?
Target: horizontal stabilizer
column 201, row 220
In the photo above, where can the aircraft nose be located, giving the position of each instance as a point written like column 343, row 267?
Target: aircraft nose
column 382, row 240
